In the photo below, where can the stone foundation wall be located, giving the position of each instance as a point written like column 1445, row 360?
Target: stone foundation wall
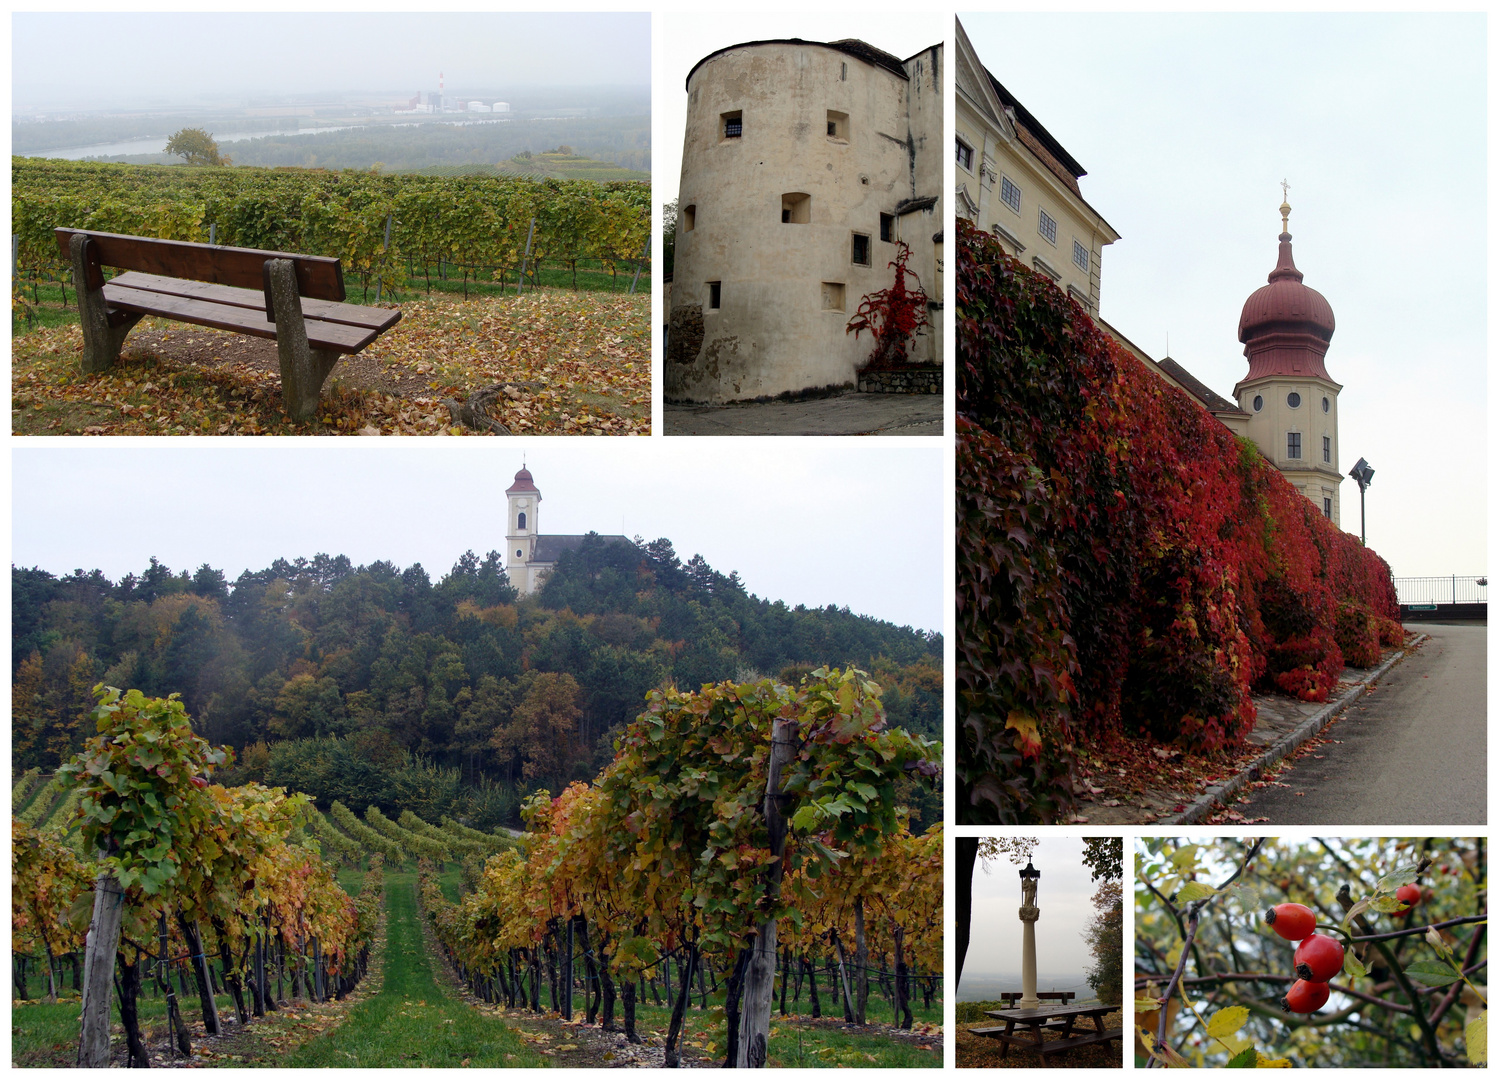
column 922, row 380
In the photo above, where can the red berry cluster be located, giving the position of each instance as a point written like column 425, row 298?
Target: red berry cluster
column 1318, row 957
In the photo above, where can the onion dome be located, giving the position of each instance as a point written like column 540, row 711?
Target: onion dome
column 1286, row 326
column 523, row 482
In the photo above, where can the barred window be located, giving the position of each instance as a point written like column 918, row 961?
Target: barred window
column 1293, row 445
column 1009, row 194
column 1048, row 227
column 733, row 124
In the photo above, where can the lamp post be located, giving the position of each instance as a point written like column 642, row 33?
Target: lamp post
column 1029, row 913
column 1363, row 475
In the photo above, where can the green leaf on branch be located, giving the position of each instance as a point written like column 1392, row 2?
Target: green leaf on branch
column 1352, row 966
column 1396, row 878
column 1432, row 973
column 1244, row 1059
column 1193, row 891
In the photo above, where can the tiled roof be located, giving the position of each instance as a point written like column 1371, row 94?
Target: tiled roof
column 550, row 548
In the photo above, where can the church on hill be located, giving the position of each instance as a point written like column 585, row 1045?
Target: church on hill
column 529, row 555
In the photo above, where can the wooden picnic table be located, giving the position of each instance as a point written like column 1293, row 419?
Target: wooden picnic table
column 1056, row 1019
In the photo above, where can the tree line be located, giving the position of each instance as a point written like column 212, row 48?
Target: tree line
column 379, row 686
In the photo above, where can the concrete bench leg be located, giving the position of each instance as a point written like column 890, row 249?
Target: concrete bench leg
column 101, row 342
column 303, row 368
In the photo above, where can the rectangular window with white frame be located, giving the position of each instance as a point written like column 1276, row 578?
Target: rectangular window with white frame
column 1047, row 227
column 1009, row 194
column 1327, row 448
column 965, row 155
column 1293, row 445
column 1080, row 256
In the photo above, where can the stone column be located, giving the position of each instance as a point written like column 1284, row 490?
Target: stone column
column 1030, row 877
column 1029, row 913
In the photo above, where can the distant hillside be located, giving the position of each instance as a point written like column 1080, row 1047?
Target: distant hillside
column 560, row 164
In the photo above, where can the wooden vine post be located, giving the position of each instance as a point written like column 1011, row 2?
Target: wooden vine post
column 98, row 971
column 760, row 973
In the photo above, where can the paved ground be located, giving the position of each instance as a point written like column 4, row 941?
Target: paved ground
column 1413, row 751
column 847, row 414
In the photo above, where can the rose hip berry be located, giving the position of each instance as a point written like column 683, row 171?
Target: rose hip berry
column 1305, row 997
column 1294, row 922
column 1318, row 958
column 1409, row 895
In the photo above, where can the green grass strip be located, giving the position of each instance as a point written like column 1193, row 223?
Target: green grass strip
column 412, row 1022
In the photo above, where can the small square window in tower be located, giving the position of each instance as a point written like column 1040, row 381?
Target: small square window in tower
column 731, row 124
column 838, row 126
column 887, row 228
column 860, row 255
column 715, row 294
column 796, row 208
column 1293, row 445
column 832, row 296
column 689, row 217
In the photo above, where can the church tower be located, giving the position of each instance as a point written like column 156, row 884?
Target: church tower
column 523, row 527
column 1291, row 400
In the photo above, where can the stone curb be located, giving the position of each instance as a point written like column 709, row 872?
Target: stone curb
column 1219, row 794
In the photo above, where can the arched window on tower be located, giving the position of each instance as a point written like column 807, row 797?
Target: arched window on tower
column 520, row 520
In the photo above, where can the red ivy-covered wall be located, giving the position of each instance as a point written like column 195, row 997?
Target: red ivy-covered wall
column 1125, row 564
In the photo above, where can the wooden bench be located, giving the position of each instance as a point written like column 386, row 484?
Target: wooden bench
column 294, row 299
column 1057, row 1020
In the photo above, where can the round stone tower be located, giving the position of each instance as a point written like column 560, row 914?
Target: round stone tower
column 1291, row 400
column 797, row 174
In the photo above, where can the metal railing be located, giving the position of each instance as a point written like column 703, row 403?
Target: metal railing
column 1455, row 589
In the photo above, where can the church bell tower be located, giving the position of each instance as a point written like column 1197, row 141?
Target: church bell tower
column 522, row 529
column 1291, row 400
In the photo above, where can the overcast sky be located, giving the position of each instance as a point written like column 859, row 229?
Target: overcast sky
column 811, row 521
column 684, row 38
column 1188, row 123
column 1065, row 896
column 182, row 54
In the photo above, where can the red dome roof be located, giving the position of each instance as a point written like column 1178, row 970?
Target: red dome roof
column 523, row 482
column 1286, row 326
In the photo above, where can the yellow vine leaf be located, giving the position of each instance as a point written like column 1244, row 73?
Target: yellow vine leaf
column 1028, row 738
column 1477, row 1036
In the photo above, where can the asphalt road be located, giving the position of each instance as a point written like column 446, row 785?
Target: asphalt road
column 1413, row 751
column 845, row 414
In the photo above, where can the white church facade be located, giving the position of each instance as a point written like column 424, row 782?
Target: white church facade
column 530, row 555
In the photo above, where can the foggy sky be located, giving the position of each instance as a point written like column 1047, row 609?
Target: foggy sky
column 807, row 521
column 1187, row 123
column 140, row 58
column 1064, row 894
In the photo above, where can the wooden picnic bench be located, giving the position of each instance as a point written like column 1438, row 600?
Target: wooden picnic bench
column 1064, row 996
column 1056, row 1019
column 295, row 299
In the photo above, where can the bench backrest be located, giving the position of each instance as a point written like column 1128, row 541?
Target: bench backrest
column 318, row 276
column 1049, row 995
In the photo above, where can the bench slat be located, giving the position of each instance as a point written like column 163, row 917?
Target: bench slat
column 320, row 334
column 368, row 318
column 318, row 276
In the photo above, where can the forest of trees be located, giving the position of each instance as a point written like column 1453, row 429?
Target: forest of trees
column 375, row 685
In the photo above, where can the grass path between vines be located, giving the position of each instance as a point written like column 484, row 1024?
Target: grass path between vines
column 412, row 1021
